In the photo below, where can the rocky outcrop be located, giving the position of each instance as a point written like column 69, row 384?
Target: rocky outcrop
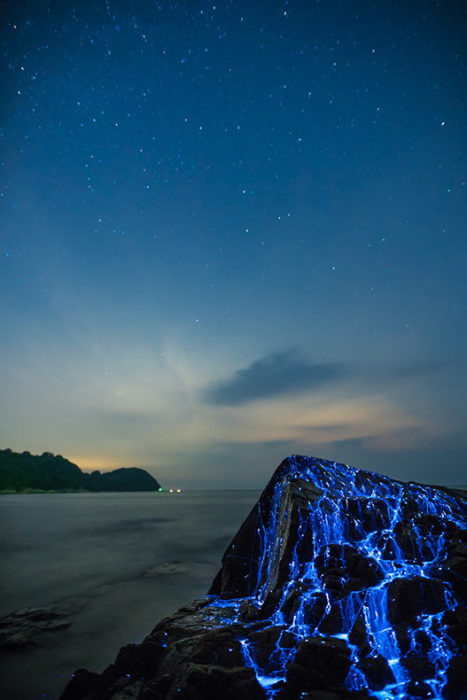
column 341, row 583
column 24, row 628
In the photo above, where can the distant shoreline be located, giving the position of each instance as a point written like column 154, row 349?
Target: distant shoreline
column 7, row 492
column 10, row 492
column 49, row 473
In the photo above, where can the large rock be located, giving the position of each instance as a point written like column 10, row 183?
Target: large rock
column 27, row 627
column 319, row 663
column 340, row 583
column 408, row 598
column 343, row 568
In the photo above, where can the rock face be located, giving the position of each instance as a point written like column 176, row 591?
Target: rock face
column 341, row 583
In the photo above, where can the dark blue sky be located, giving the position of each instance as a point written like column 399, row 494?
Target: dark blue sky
column 232, row 231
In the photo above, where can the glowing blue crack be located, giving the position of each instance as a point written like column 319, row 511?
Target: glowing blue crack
column 326, row 522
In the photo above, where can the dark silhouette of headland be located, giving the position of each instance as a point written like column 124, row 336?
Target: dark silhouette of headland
column 26, row 473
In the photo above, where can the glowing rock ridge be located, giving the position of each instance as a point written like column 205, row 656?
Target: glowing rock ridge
column 341, row 583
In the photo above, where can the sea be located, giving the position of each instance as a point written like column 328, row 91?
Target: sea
column 110, row 565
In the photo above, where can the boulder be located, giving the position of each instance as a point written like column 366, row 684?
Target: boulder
column 319, row 664
column 207, row 682
column 377, row 671
column 343, row 568
column 26, row 627
column 339, row 584
column 410, row 597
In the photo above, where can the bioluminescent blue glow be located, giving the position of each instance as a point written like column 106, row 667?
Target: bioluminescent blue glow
column 380, row 536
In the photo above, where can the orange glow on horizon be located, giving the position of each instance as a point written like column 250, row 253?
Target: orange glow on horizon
column 103, row 464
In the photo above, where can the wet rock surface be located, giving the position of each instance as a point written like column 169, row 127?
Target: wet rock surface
column 24, row 628
column 341, row 583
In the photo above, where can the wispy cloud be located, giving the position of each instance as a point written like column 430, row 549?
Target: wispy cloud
column 272, row 375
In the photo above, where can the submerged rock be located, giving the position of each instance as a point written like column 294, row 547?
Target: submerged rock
column 340, row 583
column 24, row 628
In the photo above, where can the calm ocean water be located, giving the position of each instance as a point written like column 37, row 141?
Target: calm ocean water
column 117, row 562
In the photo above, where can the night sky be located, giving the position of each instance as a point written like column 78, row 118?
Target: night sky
column 235, row 231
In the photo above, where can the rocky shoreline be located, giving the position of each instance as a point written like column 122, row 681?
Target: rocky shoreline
column 341, row 583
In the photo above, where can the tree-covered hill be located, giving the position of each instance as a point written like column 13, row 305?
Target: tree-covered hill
column 124, row 479
column 47, row 472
